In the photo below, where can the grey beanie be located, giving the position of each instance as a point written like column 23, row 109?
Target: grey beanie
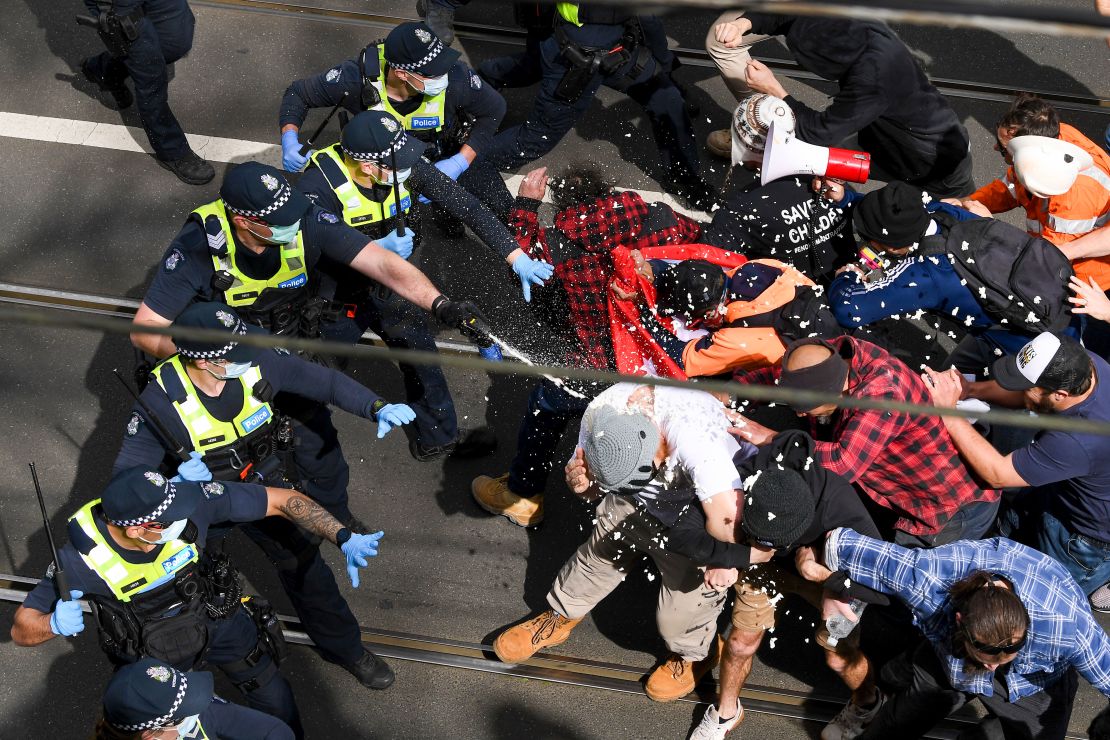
column 620, row 448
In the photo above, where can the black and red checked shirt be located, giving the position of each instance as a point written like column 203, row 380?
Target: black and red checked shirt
column 904, row 462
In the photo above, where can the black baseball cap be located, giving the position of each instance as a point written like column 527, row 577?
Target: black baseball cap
column 690, row 289
column 260, row 191
column 148, row 694
column 1030, row 367
column 139, row 495
column 376, row 136
column 414, row 47
column 214, row 315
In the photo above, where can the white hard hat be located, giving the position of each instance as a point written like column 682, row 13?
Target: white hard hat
column 750, row 121
column 1047, row 166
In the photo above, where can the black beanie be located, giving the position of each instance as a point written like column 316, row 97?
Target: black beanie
column 894, row 216
column 778, row 508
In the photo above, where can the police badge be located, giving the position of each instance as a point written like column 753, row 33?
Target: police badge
column 389, row 124
column 212, row 490
column 174, row 259
column 270, row 182
column 159, row 673
column 133, row 424
column 155, row 478
column 424, row 36
column 333, row 74
column 225, row 318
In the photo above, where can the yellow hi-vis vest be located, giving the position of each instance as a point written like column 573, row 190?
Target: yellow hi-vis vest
column 568, row 12
column 358, row 210
column 206, row 432
column 124, row 578
column 244, row 291
column 429, row 117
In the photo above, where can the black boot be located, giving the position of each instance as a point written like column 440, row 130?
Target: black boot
column 121, row 96
column 371, row 671
column 190, row 169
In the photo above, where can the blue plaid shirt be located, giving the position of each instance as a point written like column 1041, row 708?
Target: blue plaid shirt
column 1062, row 631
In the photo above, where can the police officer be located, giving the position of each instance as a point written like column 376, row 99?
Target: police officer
column 256, row 249
column 148, row 699
column 595, row 45
column 420, row 81
column 148, row 36
column 213, row 400
column 134, row 554
column 355, row 178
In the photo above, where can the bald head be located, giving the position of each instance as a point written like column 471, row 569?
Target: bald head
column 807, row 355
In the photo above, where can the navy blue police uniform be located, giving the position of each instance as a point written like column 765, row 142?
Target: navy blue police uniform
column 151, row 695
column 164, row 34
column 238, row 436
column 632, row 56
column 164, row 587
column 329, row 183
column 468, row 112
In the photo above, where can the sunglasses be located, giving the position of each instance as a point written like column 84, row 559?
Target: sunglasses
column 154, row 526
column 635, row 485
column 995, row 649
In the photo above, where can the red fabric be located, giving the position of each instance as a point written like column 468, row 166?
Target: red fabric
column 599, row 227
column 904, row 462
column 633, row 347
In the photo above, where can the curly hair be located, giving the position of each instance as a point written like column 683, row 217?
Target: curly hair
column 579, row 184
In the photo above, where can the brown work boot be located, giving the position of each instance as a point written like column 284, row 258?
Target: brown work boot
column 719, row 143
column 493, row 495
column 518, row 644
column 676, row 677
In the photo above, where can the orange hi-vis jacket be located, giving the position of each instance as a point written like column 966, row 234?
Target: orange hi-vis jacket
column 1061, row 218
column 735, row 347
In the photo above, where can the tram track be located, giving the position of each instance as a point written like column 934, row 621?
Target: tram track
column 562, row 669
column 951, row 87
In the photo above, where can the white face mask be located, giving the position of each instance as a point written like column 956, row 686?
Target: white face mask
column 169, row 534
column 231, row 370
column 432, row 85
column 381, row 177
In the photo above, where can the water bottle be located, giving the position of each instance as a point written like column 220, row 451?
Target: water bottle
column 839, row 626
column 491, row 353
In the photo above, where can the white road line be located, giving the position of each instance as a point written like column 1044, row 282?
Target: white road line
column 212, row 148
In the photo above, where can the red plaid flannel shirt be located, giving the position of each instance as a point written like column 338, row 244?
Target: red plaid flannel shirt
column 904, row 462
column 616, row 220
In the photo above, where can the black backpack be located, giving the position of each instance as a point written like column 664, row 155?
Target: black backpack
column 1021, row 281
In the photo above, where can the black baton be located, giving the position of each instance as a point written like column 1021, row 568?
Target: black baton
column 167, row 437
column 60, row 579
column 320, row 129
column 400, row 215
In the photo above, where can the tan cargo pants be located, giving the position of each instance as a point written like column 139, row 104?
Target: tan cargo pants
column 732, row 62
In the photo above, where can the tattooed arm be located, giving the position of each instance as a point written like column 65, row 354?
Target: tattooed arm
column 302, row 511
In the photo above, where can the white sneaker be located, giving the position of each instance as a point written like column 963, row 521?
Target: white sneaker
column 852, row 720
column 711, row 727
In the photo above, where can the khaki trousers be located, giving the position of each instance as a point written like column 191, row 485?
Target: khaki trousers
column 624, row 533
column 732, row 62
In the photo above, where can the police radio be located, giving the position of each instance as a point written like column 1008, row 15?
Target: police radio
column 117, row 32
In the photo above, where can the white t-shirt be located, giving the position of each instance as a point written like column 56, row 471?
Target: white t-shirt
column 700, row 450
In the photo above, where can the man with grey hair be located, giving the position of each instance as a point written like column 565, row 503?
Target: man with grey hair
column 647, row 453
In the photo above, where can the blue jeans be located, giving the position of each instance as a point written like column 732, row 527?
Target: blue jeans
column 1086, row 559
column 550, row 409
column 165, row 35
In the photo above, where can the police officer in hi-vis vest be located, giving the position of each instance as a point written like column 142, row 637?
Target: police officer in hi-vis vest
column 214, row 401
column 415, row 78
column 356, row 179
column 148, row 699
column 256, row 249
column 135, row 554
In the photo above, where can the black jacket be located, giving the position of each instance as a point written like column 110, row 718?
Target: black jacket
column 838, row 505
column 903, row 121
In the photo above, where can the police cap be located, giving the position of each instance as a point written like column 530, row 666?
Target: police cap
column 375, row 136
column 149, row 694
column 414, row 47
column 259, row 191
column 139, row 495
column 214, row 315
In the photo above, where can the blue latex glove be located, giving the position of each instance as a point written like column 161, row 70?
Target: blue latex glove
column 393, row 415
column 193, row 469
column 67, row 619
column 357, row 549
column 291, row 158
column 531, row 272
column 400, row 245
column 453, row 166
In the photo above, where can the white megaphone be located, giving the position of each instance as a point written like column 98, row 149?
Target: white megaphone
column 785, row 155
